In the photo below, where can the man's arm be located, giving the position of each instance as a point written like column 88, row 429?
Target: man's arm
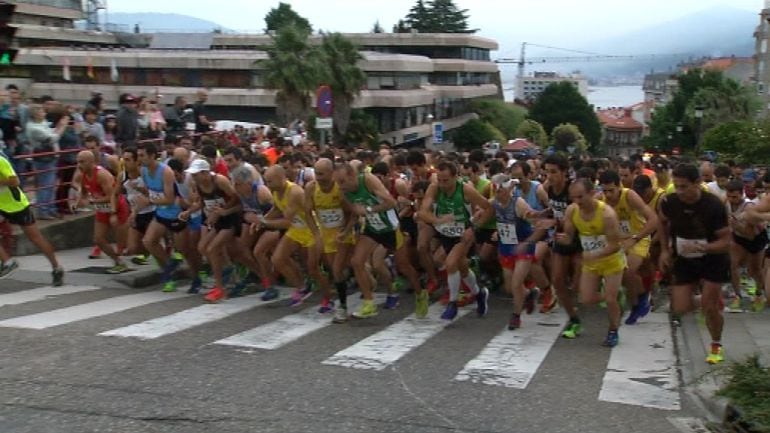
column 426, row 209
column 526, row 212
column 641, row 208
column 233, row 203
column 612, row 232
column 476, row 200
column 377, row 188
column 168, row 189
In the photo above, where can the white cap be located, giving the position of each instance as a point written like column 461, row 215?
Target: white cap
column 198, row 166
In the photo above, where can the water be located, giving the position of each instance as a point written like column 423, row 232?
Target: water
column 602, row 96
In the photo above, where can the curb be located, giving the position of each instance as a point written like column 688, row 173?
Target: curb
column 143, row 279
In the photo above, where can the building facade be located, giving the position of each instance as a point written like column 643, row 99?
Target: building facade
column 621, row 133
column 529, row 88
column 762, row 59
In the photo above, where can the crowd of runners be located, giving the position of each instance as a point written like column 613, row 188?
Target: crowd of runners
column 549, row 231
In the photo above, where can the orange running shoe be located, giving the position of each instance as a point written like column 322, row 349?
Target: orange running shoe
column 215, row 295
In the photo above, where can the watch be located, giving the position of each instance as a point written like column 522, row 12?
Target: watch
column 369, row 209
column 635, row 238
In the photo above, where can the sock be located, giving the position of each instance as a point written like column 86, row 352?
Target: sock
column 470, row 281
column 342, row 293
column 453, row 280
column 575, row 319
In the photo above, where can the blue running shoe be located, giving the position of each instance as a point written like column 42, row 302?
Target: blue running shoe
column 227, row 274
column 299, row 296
column 196, row 285
column 644, row 305
column 238, row 288
column 481, row 302
column 612, row 339
column 634, row 316
column 169, row 269
column 391, row 302
column 270, row 294
column 450, row 312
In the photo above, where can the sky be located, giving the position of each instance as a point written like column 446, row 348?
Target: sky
column 509, row 22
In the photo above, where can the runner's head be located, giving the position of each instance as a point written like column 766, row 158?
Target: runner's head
column 200, row 169
column 324, row 172
column 382, row 171
column 243, row 180
column 130, row 158
column 177, row 167
column 233, row 157
column 722, row 175
column 346, row 176
column 447, row 175
column 471, row 171
column 610, row 182
column 417, row 163
column 734, row 192
column 275, row 178
column 687, row 182
column 86, row 161
column 148, row 153
column 627, row 172
column 556, row 167
column 521, row 171
column 91, row 143
column 643, row 187
column 581, row 192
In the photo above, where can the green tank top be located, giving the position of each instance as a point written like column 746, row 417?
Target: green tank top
column 379, row 222
column 453, row 205
column 480, row 187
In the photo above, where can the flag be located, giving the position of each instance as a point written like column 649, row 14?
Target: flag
column 90, row 68
column 114, row 74
column 65, row 72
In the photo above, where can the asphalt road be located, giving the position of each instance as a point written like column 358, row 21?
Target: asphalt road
column 65, row 377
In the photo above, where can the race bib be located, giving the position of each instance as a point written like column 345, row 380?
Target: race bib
column 683, row 245
column 210, row 205
column 331, row 218
column 157, row 195
column 374, row 220
column 507, row 234
column 298, row 222
column 593, row 243
column 451, row 230
column 625, row 227
column 103, row 207
column 558, row 214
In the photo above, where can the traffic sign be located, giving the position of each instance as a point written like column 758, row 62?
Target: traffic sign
column 324, row 101
column 323, row 123
column 438, row 132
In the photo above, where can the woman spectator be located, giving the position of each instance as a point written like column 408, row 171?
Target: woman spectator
column 110, row 126
column 44, row 139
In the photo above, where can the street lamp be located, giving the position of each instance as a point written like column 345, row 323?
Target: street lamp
column 698, row 122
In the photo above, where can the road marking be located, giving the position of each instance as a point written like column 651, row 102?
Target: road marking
column 384, row 348
column 642, row 368
column 41, row 293
column 512, row 358
column 283, row 331
column 192, row 317
column 88, row 311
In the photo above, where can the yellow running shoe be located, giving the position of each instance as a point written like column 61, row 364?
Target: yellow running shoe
column 368, row 309
column 421, row 305
column 717, row 354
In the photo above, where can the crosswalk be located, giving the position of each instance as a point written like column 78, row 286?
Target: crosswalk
column 641, row 371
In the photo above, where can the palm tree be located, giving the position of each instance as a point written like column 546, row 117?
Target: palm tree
column 292, row 68
column 343, row 75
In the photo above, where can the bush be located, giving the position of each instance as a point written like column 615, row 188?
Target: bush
column 748, row 389
column 474, row 133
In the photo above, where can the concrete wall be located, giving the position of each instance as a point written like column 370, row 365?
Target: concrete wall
column 73, row 232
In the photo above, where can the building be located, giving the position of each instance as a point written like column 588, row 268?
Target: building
column 762, row 57
column 413, row 80
column 529, row 88
column 621, row 133
column 658, row 89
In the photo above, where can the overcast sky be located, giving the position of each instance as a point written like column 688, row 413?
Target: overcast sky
column 549, row 22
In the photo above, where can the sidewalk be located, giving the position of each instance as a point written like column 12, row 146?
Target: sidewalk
column 745, row 334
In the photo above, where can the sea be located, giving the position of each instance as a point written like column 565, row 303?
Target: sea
column 604, row 96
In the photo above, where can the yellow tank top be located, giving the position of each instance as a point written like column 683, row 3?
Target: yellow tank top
column 328, row 207
column 630, row 221
column 283, row 202
column 653, row 204
column 594, row 227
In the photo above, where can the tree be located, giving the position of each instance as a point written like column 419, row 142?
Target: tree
column 343, row 75
column 562, row 103
column 362, row 130
column 505, row 117
column 435, row 16
column 401, row 27
column 292, row 68
column 746, row 140
column 568, row 138
column 533, row 132
column 420, row 18
column 474, row 133
column 284, row 15
column 377, row 28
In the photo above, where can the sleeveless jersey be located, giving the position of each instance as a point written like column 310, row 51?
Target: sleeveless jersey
column 629, row 220
column 214, row 198
column 132, row 192
column 251, row 203
column 453, row 205
column 154, row 184
column 592, row 237
column 379, row 222
column 328, row 207
column 510, row 228
column 91, row 184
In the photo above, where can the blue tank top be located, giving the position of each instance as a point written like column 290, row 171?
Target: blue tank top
column 252, row 203
column 507, row 215
column 155, row 186
column 531, row 197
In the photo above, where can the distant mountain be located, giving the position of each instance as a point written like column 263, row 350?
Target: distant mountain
column 161, row 22
column 719, row 31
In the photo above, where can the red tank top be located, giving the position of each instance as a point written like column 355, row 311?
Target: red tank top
column 91, row 183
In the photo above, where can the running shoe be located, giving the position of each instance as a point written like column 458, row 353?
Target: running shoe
column 676, row 320
column 735, row 305
column 431, row 286
column 481, row 302
column 238, row 289
column 716, row 355
column 169, row 269
column 7, row 267
column 572, row 330
column 391, row 302
column 529, row 301
column 139, row 260
column 215, row 295
column 450, row 312
column 96, row 253
column 758, row 305
column 298, row 296
column 227, row 274
column 421, row 305
column 269, row 294
column 169, row 286
column 368, row 309
column 515, row 322
column 195, row 286
column 465, row 298
column 119, row 268
column 327, row 306
column 548, row 300
column 612, row 339
column 340, row 315
column 177, row 256
column 643, row 304
column 58, row 277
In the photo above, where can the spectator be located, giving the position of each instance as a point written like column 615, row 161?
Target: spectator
column 202, row 122
column 43, row 138
column 127, row 129
column 177, row 117
column 91, row 125
column 20, row 146
column 110, row 128
column 156, row 122
column 69, row 144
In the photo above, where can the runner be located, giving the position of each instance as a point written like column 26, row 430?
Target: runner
column 190, row 236
column 695, row 237
column 98, row 189
column 366, row 197
column 596, row 225
column 15, row 209
column 451, row 218
column 141, row 217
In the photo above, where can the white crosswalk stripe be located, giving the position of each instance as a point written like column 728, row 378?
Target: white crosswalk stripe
column 640, row 371
column 391, row 344
column 512, row 358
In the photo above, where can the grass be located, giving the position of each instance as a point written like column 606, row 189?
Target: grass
column 748, row 389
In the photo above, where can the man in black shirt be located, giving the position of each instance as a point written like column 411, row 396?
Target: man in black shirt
column 202, row 122
column 695, row 237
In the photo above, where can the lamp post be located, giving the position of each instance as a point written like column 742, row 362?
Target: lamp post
column 698, row 122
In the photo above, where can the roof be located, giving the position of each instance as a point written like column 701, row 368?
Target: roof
column 725, row 63
column 618, row 119
column 518, row 144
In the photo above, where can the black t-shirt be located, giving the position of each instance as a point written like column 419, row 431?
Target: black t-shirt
column 699, row 220
column 559, row 202
column 199, row 109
